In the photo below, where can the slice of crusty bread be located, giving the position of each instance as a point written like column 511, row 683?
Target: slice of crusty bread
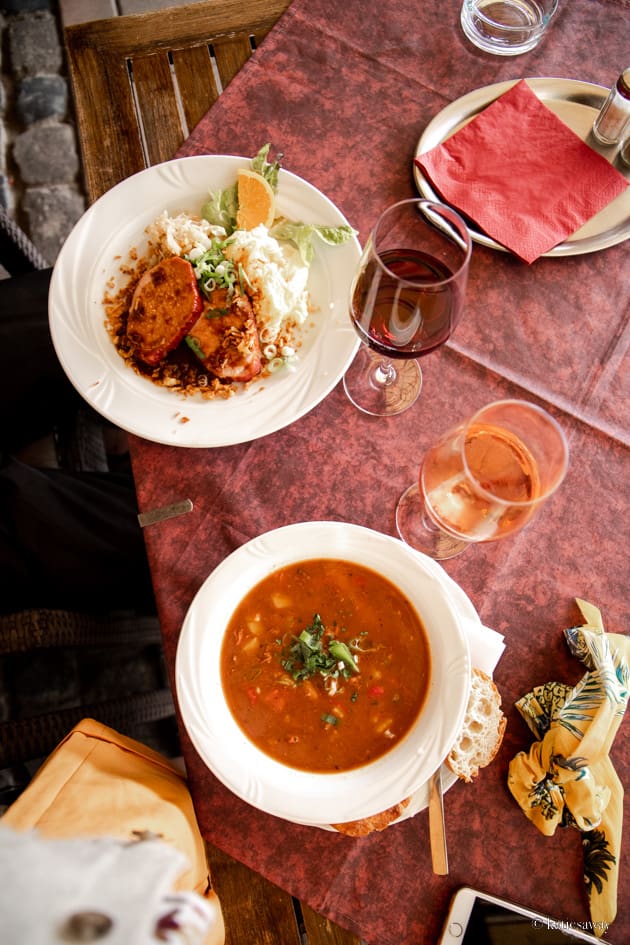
column 482, row 731
column 361, row 828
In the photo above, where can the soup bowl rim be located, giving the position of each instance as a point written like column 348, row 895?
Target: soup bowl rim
column 302, row 796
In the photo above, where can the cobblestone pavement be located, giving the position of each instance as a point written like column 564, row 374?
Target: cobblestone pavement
column 40, row 174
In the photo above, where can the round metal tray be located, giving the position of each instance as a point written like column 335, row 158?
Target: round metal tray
column 576, row 104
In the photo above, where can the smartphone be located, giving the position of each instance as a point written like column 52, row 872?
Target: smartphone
column 476, row 918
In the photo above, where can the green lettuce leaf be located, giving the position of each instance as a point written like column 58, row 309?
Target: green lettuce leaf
column 301, row 235
column 221, row 209
column 269, row 171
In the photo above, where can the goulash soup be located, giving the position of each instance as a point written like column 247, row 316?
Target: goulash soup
column 325, row 665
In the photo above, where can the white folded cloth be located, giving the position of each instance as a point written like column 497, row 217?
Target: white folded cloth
column 54, row 891
column 486, row 645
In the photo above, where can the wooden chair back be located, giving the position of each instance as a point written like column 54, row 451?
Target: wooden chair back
column 86, row 640
column 142, row 82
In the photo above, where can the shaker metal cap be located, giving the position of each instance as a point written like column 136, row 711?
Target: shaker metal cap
column 623, row 83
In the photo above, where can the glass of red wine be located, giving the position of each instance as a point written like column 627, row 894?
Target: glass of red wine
column 407, row 297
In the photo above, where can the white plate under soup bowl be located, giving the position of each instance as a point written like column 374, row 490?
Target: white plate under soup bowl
column 295, row 795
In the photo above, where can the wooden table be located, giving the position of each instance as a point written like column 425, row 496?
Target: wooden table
column 345, row 92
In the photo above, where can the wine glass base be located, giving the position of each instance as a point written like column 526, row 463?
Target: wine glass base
column 381, row 388
column 418, row 531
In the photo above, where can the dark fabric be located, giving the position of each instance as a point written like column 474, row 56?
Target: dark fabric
column 36, row 394
column 68, row 539
column 17, row 253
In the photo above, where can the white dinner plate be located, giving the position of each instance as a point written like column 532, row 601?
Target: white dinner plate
column 576, row 104
column 91, row 257
column 300, row 796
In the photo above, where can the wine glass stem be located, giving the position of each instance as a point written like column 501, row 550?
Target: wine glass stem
column 379, row 388
column 384, row 373
column 417, row 528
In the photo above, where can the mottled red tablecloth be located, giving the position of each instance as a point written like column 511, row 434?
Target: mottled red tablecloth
column 345, row 91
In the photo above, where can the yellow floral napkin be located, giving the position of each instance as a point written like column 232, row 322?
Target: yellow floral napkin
column 567, row 777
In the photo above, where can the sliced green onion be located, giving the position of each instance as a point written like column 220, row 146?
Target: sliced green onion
column 194, row 345
column 341, row 652
column 329, row 719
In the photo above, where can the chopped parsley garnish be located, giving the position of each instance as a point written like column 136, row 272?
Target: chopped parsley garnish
column 311, row 653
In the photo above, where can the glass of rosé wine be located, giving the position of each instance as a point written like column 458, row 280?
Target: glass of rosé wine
column 406, row 298
column 484, row 479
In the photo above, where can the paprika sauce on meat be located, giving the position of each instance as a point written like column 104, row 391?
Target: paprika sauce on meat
column 325, row 665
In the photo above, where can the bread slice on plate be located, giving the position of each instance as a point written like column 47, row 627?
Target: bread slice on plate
column 475, row 747
column 482, row 732
column 361, row 828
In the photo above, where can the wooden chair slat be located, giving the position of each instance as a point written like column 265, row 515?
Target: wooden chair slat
column 157, row 101
column 196, row 82
column 231, row 53
column 260, row 33
column 177, row 27
column 109, row 138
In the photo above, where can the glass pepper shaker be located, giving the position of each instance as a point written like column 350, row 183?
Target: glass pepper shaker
column 614, row 114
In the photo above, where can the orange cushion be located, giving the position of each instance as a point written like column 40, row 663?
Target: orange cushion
column 100, row 783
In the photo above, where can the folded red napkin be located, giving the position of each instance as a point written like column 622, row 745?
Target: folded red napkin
column 521, row 174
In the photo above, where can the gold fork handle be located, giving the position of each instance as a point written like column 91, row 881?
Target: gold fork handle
column 437, row 826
